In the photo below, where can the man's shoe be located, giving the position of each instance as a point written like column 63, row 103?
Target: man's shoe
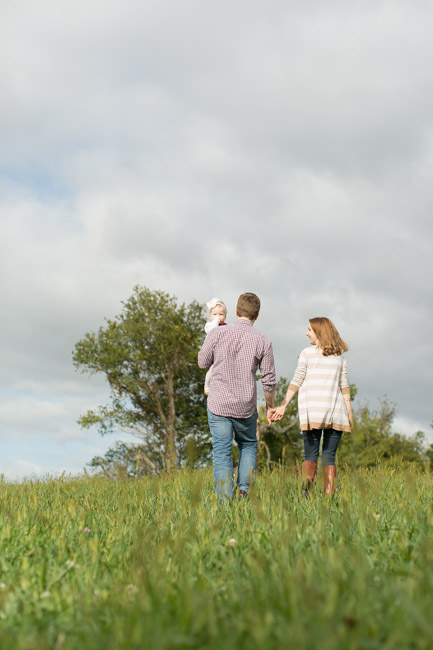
column 242, row 494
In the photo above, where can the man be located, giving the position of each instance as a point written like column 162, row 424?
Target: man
column 236, row 351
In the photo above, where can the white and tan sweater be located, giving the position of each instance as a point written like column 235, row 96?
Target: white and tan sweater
column 321, row 381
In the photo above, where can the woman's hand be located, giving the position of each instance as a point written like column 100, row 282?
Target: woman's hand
column 348, row 405
column 279, row 412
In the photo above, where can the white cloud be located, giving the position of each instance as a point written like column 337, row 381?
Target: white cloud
column 30, row 413
column 287, row 151
column 409, row 427
column 20, row 469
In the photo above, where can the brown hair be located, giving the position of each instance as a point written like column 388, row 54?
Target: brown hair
column 330, row 342
column 248, row 306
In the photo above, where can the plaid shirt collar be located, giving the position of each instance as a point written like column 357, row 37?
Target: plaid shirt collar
column 246, row 321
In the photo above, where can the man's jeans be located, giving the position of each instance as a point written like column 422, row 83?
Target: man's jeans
column 222, row 429
column 331, row 438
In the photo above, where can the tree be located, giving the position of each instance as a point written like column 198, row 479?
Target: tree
column 373, row 440
column 281, row 442
column 124, row 460
column 429, row 451
column 148, row 354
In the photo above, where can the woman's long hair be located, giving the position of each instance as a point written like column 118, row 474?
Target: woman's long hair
column 330, row 342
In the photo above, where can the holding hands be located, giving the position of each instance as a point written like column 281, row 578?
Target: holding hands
column 270, row 413
column 278, row 413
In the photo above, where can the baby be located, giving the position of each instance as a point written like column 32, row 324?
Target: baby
column 217, row 316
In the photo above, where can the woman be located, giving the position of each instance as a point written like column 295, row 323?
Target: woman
column 323, row 401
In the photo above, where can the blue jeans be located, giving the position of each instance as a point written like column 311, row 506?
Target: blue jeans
column 331, row 438
column 222, row 429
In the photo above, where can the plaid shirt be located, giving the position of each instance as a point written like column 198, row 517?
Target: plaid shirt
column 236, row 351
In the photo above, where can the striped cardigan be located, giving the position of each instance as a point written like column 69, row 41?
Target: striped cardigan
column 321, row 381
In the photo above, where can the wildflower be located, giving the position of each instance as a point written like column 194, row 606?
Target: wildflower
column 70, row 564
column 232, row 542
column 86, row 530
column 131, row 590
column 377, row 517
column 2, row 586
column 45, row 594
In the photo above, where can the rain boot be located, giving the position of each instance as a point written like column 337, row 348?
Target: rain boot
column 329, row 479
column 308, row 474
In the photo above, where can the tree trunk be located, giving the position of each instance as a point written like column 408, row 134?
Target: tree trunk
column 145, row 460
column 170, row 447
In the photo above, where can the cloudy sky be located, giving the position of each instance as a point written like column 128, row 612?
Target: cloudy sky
column 210, row 148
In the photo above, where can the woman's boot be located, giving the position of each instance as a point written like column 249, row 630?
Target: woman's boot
column 308, row 474
column 330, row 472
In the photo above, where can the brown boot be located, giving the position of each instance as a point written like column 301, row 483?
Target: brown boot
column 329, row 476
column 308, row 474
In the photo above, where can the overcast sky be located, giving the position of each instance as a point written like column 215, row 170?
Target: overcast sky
column 207, row 149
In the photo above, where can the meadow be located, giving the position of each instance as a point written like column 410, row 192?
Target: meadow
column 90, row 563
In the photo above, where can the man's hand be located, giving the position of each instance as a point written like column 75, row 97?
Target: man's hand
column 270, row 401
column 270, row 413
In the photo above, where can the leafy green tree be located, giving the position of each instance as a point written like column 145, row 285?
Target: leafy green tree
column 280, row 442
column 148, row 354
column 124, row 460
column 429, row 452
column 373, row 440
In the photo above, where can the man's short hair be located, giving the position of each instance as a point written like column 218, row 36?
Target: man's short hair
column 248, row 306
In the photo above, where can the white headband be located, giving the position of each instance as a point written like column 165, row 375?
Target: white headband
column 214, row 302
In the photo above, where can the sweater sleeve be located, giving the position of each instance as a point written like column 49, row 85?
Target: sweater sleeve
column 205, row 356
column 211, row 324
column 300, row 372
column 344, row 382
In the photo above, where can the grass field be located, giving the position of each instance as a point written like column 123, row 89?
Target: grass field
column 154, row 563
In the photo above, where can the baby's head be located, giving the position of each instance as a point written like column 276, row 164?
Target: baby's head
column 217, row 309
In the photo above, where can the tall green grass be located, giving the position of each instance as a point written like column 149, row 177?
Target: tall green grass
column 155, row 563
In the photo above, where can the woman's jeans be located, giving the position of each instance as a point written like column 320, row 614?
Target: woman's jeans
column 331, row 438
column 222, row 429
